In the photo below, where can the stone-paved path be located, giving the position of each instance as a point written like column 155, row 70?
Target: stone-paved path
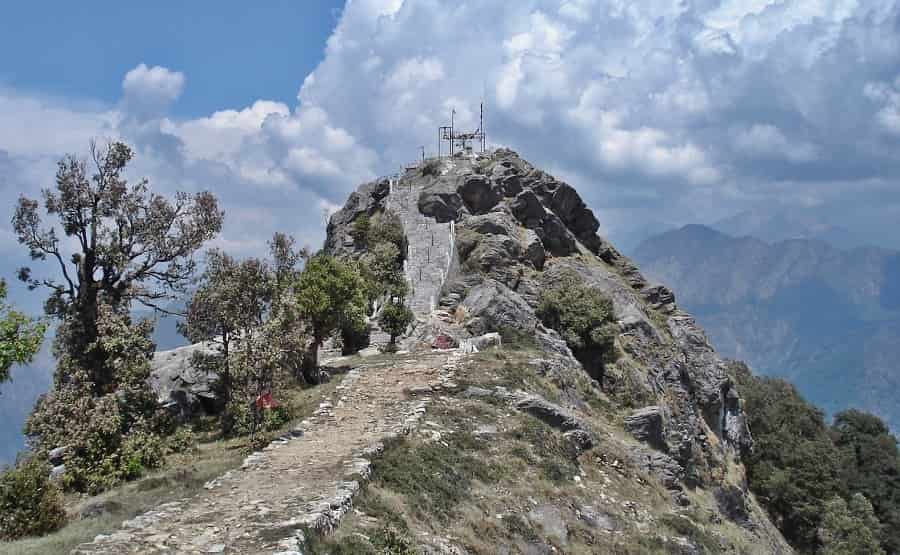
column 431, row 248
column 294, row 484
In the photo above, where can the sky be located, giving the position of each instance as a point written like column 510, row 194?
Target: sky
column 660, row 114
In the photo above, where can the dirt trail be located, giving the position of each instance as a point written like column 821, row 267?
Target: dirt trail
column 302, row 483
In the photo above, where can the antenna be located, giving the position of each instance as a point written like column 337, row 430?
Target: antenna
column 422, row 148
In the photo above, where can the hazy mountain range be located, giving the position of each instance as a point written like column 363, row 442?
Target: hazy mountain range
column 827, row 319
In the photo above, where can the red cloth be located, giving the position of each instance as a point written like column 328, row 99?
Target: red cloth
column 265, row 401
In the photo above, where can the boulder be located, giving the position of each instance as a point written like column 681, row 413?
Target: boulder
column 482, row 342
column 181, row 387
column 510, row 185
column 527, row 208
column 441, row 201
column 647, row 425
column 533, row 250
column 658, row 464
column 556, row 237
column 478, row 194
column 568, row 205
column 660, row 297
column 493, row 223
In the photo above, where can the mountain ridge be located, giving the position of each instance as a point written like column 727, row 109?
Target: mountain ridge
column 800, row 309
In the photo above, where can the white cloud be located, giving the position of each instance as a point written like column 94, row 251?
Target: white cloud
column 673, row 112
column 767, row 141
column 150, row 89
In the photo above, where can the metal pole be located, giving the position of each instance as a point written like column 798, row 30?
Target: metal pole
column 452, row 115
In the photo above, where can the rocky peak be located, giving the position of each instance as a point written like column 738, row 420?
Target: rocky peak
column 517, row 229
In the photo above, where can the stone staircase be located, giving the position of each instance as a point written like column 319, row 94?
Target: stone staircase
column 431, row 246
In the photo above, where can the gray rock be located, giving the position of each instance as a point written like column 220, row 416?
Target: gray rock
column 660, row 297
column 478, row 194
column 179, row 385
column 56, row 456
column 527, row 208
column 441, row 200
column 658, row 464
column 533, row 250
column 647, row 425
column 597, row 519
column 57, row 471
column 556, row 237
column 550, row 519
column 493, row 223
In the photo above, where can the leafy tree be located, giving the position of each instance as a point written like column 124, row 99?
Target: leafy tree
column 386, row 227
column 329, row 294
column 228, row 307
column 584, row 318
column 20, row 337
column 849, row 529
column 794, row 467
column 360, row 229
column 395, row 317
column 383, row 269
column 129, row 245
column 109, row 437
column 870, row 465
column 30, row 504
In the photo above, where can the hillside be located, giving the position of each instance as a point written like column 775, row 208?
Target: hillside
column 826, row 319
column 486, row 433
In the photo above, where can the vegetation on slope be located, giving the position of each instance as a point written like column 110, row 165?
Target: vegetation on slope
column 809, row 475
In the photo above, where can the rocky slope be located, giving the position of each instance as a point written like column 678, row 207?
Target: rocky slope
column 515, row 230
column 826, row 319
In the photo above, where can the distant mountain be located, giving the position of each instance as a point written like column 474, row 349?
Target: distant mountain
column 785, row 224
column 825, row 318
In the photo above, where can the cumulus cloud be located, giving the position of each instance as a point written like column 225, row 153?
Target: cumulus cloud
column 147, row 91
column 670, row 113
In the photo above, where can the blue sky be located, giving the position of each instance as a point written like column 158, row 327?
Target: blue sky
column 233, row 52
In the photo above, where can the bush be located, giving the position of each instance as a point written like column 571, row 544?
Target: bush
column 30, row 504
column 432, row 167
column 584, row 317
column 394, row 319
column 360, row 229
column 386, row 227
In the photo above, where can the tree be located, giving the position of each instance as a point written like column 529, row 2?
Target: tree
column 870, row 465
column 585, row 319
column 395, row 317
column 229, row 306
column 20, row 337
column 849, row 529
column 130, row 245
column 109, row 437
column 329, row 294
column 386, row 227
column 794, row 467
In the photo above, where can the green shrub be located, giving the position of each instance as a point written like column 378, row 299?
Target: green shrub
column 360, row 229
column 181, row 440
column 585, row 319
column 386, row 227
column 394, row 319
column 432, row 167
column 30, row 504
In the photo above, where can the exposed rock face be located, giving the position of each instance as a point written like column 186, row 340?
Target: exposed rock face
column 518, row 231
column 181, row 386
column 646, row 425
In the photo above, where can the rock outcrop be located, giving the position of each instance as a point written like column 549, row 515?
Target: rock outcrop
column 517, row 230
